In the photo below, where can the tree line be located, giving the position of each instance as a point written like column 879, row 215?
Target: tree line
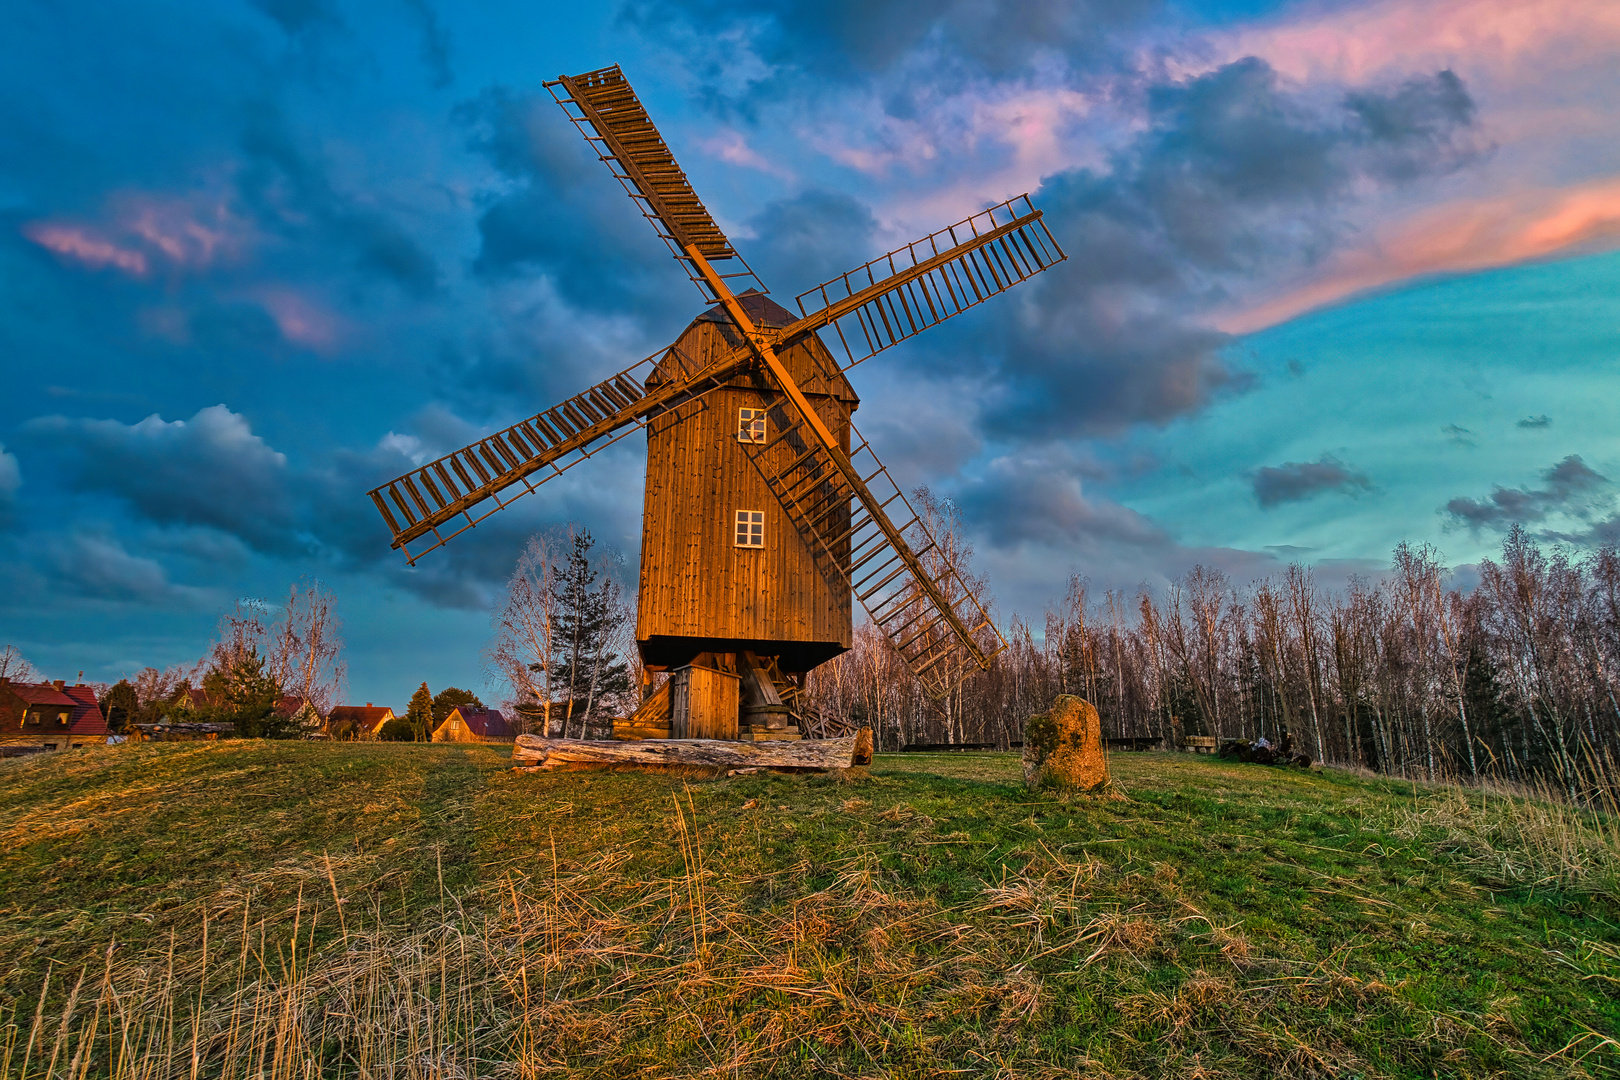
column 270, row 673
column 1407, row 674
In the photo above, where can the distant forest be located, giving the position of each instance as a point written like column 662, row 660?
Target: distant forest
column 1513, row 680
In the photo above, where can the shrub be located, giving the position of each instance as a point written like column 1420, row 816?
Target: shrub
column 398, row 729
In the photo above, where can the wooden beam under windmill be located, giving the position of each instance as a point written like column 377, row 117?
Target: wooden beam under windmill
column 766, row 513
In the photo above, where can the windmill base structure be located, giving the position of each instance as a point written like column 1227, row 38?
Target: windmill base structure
column 767, row 515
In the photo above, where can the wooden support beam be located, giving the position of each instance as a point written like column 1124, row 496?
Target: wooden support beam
column 718, row 754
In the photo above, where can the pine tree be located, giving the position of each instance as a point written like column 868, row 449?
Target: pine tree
column 419, row 714
column 118, row 706
column 585, row 671
column 239, row 692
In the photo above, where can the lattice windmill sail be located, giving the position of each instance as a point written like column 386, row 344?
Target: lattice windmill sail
column 748, row 572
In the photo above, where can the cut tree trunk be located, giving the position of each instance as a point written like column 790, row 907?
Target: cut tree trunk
column 532, row 751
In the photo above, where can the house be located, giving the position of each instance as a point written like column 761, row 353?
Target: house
column 49, row 716
column 466, row 724
column 305, row 717
column 357, row 721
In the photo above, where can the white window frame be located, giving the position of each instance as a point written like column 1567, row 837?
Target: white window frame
column 748, row 529
column 751, row 426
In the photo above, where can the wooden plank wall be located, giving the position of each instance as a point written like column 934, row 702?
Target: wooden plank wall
column 704, row 704
column 695, row 583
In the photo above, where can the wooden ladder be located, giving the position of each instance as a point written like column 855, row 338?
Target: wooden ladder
column 843, row 525
column 437, row 501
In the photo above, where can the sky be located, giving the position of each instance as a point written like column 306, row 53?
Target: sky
column 1341, row 274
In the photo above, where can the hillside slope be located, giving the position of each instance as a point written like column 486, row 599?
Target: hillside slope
column 301, row 909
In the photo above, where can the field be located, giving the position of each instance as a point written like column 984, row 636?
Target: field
column 288, row 909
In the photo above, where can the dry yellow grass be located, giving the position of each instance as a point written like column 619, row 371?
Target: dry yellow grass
column 936, row 921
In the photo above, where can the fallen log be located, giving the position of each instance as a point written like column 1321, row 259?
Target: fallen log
column 532, row 751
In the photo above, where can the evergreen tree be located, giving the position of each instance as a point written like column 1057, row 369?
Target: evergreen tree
column 119, row 706
column 239, row 692
column 447, row 699
column 585, row 672
column 420, row 714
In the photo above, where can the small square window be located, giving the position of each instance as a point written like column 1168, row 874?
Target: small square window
column 751, row 425
column 750, row 528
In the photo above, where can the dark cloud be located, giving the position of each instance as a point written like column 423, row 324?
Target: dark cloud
column 299, row 17
column 290, row 194
column 1420, row 128
column 1037, row 497
column 1459, row 435
column 1572, row 488
column 563, row 216
column 810, row 238
column 435, row 43
column 1293, row 481
column 98, row 567
column 232, row 329
column 1235, row 180
column 209, row 470
column 857, row 37
column 1542, row 421
column 212, row 472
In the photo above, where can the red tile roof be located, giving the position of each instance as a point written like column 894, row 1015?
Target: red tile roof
column 41, row 694
column 486, row 723
column 363, row 714
column 86, row 719
column 289, row 705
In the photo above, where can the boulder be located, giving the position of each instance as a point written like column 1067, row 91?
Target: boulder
column 863, row 747
column 1063, row 748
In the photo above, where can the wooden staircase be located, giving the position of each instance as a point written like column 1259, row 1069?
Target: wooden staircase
column 866, row 537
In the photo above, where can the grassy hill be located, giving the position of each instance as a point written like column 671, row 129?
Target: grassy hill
column 286, row 909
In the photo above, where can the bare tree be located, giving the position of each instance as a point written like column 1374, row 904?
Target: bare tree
column 525, row 626
column 1302, row 597
column 306, row 647
column 154, row 687
column 14, row 667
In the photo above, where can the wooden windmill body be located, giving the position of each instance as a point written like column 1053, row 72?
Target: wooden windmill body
column 766, row 514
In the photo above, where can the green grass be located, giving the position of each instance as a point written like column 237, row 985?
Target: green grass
column 387, row 910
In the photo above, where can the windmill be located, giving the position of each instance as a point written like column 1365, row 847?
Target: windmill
column 765, row 510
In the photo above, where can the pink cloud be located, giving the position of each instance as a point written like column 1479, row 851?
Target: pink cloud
column 302, row 321
column 732, row 148
column 85, row 246
column 1357, row 43
column 148, row 232
column 176, row 229
column 1455, row 237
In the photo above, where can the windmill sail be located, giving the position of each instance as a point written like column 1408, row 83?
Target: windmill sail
column 867, row 537
column 903, row 293
column 441, row 500
column 612, row 119
column 921, row 603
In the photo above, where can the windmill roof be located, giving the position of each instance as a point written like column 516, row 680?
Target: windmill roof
column 813, row 367
column 760, row 308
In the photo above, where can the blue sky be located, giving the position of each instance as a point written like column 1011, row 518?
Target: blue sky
column 1340, row 275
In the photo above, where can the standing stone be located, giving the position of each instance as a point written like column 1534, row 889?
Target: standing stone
column 863, row 747
column 1063, row 748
